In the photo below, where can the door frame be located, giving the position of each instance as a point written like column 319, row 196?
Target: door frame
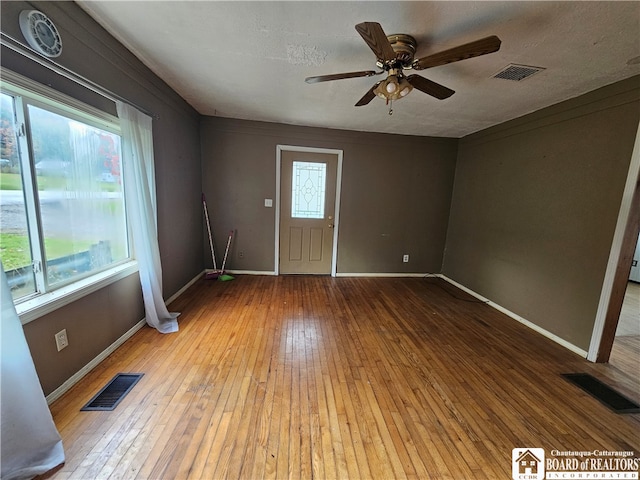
column 619, row 265
column 336, row 223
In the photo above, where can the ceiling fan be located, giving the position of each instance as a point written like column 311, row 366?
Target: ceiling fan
column 394, row 54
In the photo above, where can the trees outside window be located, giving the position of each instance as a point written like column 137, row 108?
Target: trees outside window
column 62, row 205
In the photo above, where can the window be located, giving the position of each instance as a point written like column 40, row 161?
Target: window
column 307, row 189
column 62, row 205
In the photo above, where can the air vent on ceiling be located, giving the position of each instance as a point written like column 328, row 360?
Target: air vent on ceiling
column 517, row 72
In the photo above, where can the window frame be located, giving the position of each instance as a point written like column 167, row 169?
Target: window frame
column 28, row 92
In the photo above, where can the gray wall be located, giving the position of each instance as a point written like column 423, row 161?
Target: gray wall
column 93, row 323
column 97, row 320
column 396, row 193
column 535, row 206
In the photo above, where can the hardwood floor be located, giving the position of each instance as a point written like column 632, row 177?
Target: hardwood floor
column 319, row 377
column 625, row 352
column 629, row 322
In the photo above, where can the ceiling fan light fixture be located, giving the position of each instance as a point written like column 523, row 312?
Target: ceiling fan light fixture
column 395, row 53
column 404, row 88
column 394, row 87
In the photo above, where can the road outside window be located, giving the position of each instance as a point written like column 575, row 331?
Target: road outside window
column 62, row 206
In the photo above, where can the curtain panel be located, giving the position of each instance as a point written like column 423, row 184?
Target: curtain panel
column 30, row 444
column 140, row 195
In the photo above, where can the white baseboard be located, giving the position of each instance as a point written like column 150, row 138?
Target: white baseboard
column 250, row 272
column 515, row 316
column 382, row 275
column 62, row 389
column 184, row 289
column 339, row 274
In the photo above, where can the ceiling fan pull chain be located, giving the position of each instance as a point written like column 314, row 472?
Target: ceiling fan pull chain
column 390, row 107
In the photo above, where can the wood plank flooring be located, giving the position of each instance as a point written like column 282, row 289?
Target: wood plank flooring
column 326, row 378
column 629, row 322
column 625, row 352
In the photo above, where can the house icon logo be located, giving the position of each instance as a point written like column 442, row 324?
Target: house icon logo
column 527, row 463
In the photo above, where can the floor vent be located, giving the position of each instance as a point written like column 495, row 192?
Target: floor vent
column 113, row 392
column 603, row 393
column 517, row 72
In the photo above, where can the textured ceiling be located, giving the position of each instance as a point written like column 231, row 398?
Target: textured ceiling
column 249, row 60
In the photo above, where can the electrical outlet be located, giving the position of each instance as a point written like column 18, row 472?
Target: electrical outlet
column 405, row 258
column 62, row 341
column 240, row 254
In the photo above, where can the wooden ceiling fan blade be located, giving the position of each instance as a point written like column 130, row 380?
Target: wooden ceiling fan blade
column 367, row 96
column 429, row 87
column 340, row 76
column 468, row 50
column 374, row 36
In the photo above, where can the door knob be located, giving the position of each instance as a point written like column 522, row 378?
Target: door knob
column 330, row 225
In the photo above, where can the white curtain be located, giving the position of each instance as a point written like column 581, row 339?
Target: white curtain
column 30, row 444
column 140, row 194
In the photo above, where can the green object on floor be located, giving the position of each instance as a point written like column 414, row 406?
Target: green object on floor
column 225, row 278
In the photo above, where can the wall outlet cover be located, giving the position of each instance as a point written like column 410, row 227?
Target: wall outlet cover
column 62, row 341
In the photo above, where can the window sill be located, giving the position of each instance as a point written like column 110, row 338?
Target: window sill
column 42, row 304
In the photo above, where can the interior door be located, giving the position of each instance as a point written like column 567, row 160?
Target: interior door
column 307, row 212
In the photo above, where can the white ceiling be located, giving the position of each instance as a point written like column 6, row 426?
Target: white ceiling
column 249, row 60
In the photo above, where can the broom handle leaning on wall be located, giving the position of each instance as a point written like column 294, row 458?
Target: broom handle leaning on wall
column 226, row 252
column 206, row 216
